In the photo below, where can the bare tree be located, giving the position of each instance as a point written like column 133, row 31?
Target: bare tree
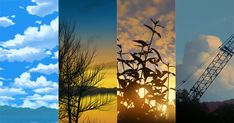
column 77, row 76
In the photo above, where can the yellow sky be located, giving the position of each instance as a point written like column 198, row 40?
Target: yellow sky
column 107, row 115
column 106, row 56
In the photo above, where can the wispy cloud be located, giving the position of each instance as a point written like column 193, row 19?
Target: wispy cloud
column 6, row 22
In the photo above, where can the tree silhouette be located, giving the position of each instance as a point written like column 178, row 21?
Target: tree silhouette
column 140, row 70
column 77, row 76
column 186, row 108
column 192, row 111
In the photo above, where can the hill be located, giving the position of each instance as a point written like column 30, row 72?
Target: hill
column 26, row 115
column 212, row 106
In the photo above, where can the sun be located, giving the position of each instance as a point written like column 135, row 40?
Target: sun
column 142, row 92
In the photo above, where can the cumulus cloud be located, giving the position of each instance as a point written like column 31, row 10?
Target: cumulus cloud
column 4, row 100
column 6, row 91
column 34, row 44
column 6, row 22
column 45, row 92
column 198, row 54
column 28, row 54
column 43, row 7
column 24, row 81
column 45, row 69
column 37, row 101
column 44, row 37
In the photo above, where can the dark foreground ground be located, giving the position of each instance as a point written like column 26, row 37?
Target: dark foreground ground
column 188, row 111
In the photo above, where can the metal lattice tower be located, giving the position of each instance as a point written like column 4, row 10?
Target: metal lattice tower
column 212, row 71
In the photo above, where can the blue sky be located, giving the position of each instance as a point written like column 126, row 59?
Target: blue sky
column 28, row 53
column 201, row 27
column 202, row 17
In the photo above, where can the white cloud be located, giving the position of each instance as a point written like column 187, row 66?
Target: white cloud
column 1, row 78
column 28, row 54
column 43, row 98
column 55, row 55
column 21, row 7
column 6, row 22
column 48, row 52
column 6, row 91
column 13, row 16
column 34, row 44
column 201, row 52
column 38, row 22
column 46, row 36
column 43, row 7
column 45, row 69
column 53, row 105
column 37, row 101
column 24, row 81
column 46, row 90
column 4, row 100
column 1, row 81
column 1, row 68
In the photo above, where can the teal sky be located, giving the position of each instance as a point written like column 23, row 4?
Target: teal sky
column 95, row 19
